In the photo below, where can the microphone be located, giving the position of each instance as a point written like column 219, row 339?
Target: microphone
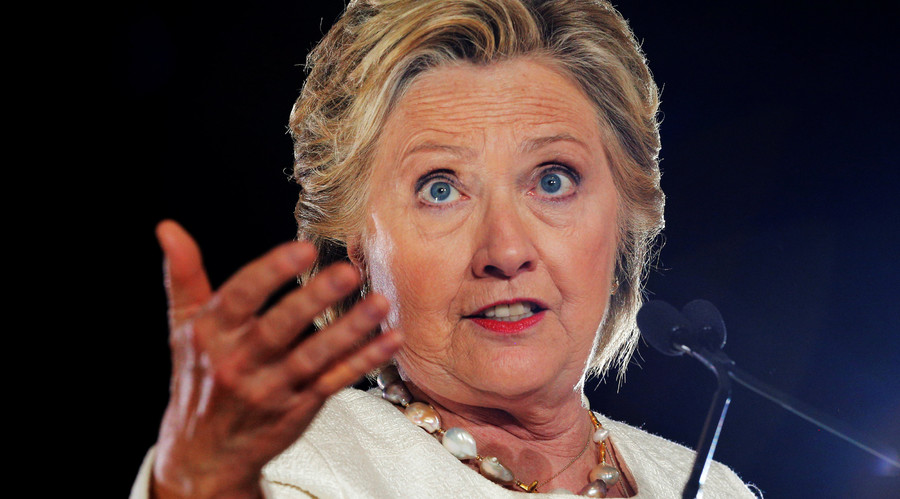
column 698, row 327
column 708, row 324
column 665, row 328
column 699, row 331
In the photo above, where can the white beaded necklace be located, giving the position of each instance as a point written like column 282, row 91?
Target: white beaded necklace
column 462, row 445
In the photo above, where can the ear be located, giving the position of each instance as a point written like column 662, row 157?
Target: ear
column 356, row 254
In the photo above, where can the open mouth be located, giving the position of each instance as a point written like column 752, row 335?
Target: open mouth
column 509, row 312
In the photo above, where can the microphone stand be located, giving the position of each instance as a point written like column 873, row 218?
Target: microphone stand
column 720, row 364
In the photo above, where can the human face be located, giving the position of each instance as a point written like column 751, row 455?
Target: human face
column 491, row 185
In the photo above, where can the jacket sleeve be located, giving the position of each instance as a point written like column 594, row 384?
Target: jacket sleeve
column 141, row 487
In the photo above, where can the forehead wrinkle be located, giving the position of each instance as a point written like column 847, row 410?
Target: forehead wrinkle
column 487, row 110
column 435, row 96
column 442, row 114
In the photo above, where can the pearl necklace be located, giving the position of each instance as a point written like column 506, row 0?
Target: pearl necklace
column 462, row 445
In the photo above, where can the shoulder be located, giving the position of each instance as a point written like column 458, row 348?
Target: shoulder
column 661, row 467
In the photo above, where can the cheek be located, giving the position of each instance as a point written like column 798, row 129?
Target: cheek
column 585, row 274
column 420, row 276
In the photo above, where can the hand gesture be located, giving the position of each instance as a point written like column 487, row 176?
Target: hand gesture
column 244, row 384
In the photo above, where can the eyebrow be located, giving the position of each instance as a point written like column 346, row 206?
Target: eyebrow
column 428, row 146
column 536, row 143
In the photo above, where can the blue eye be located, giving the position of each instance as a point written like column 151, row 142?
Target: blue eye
column 551, row 183
column 439, row 191
column 556, row 184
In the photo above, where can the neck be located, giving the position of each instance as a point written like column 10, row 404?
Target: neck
column 534, row 437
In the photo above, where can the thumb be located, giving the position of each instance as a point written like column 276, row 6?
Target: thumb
column 187, row 286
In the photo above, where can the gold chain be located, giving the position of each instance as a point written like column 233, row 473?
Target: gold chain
column 534, row 485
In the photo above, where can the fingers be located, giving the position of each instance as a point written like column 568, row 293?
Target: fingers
column 305, row 402
column 328, row 346
column 187, row 286
column 278, row 328
column 242, row 295
column 347, row 371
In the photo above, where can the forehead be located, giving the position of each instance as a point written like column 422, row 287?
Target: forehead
column 522, row 97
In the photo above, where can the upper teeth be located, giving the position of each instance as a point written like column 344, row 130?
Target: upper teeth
column 504, row 311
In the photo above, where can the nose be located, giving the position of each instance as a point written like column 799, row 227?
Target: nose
column 505, row 247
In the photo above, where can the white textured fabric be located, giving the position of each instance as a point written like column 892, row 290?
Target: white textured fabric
column 360, row 445
column 141, row 487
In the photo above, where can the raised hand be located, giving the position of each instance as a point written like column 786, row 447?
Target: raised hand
column 243, row 386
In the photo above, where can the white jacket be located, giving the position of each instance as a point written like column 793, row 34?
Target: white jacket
column 360, row 445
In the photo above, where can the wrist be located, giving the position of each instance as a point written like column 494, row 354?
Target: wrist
column 173, row 479
column 204, row 489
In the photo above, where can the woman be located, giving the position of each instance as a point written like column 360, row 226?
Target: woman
column 486, row 172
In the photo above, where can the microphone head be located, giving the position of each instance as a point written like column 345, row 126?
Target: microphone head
column 707, row 322
column 664, row 327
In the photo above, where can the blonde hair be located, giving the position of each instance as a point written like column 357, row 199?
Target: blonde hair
column 376, row 50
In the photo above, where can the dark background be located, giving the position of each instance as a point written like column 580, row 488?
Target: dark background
column 779, row 156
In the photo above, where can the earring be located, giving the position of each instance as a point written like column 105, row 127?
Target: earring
column 615, row 287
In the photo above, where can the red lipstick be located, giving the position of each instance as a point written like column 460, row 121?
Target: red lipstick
column 508, row 327
column 497, row 325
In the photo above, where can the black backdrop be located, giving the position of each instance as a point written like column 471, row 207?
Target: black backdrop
column 779, row 136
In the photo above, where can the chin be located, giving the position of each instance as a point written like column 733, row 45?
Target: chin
column 522, row 374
